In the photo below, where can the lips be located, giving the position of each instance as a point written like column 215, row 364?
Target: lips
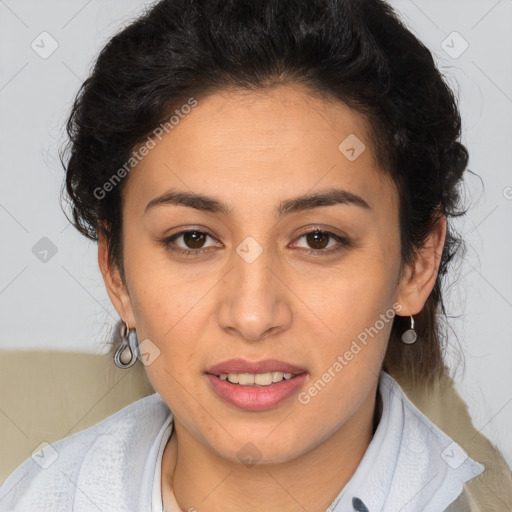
column 264, row 366
column 256, row 398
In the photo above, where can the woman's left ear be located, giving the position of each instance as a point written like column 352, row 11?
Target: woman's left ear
column 418, row 278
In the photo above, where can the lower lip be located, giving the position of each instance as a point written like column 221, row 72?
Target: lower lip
column 254, row 398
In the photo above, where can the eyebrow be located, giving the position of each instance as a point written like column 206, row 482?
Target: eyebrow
column 302, row 203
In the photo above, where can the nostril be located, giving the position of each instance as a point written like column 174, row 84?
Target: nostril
column 359, row 506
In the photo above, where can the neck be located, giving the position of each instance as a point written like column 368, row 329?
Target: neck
column 203, row 480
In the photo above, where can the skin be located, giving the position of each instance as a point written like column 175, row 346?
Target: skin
column 252, row 150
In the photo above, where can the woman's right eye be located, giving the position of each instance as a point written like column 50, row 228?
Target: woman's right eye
column 191, row 238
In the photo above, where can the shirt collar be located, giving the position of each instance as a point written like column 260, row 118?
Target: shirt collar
column 410, row 464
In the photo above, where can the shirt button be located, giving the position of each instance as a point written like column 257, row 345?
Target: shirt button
column 359, row 506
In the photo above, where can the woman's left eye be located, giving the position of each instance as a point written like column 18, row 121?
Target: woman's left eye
column 194, row 242
column 317, row 238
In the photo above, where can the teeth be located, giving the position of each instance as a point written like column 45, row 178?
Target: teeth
column 263, row 379
column 244, row 379
column 258, row 379
column 277, row 376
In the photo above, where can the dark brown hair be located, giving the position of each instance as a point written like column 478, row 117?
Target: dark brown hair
column 355, row 51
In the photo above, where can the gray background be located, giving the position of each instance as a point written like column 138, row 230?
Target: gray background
column 57, row 299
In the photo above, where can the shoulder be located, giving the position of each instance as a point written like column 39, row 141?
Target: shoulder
column 448, row 428
column 428, row 457
column 49, row 479
column 443, row 406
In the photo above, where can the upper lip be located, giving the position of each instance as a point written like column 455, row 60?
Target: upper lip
column 263, row 366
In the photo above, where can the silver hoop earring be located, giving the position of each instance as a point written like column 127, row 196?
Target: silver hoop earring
column 128, row 351
column 409, row 336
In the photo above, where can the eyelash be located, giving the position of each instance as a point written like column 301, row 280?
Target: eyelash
column 343, row 243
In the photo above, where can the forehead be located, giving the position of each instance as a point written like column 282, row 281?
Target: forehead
column 283, row 140
column 281, row 118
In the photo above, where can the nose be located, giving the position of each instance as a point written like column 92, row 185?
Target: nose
column 255, row 301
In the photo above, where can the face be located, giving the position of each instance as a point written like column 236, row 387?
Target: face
column 255, row 281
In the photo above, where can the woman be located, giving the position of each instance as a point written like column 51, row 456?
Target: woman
column 271, row 186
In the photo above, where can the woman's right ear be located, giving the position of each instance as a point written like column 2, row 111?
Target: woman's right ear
column 116, row 289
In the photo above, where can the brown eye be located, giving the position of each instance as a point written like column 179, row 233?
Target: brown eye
column 194, row 239
column 193, row 242
column 317, row 239
column 318, row 242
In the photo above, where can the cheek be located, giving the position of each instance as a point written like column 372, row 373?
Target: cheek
column 352, row 296
column 352, row 323
column 168, row 308
column 163, row 294
column 351, row 327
